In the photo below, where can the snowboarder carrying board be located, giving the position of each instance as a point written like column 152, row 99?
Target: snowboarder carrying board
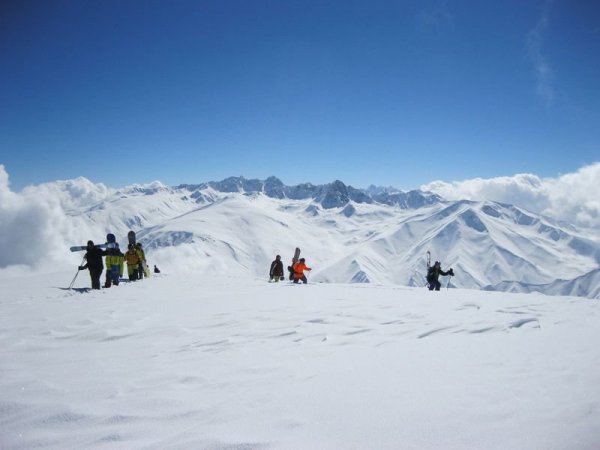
column 114, row 266
column 299, row 269
column 133, row 260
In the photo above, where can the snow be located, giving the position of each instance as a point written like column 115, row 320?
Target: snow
column 210, row 361
column 209, row 355
column 234, row 226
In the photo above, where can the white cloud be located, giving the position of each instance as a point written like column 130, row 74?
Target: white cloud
column 25, row 226
column 72, row 194
column 572, row 197
column 35, row 227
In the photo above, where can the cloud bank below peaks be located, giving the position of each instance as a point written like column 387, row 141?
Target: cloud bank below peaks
column 571, row 197
column 36, row 224
column 26, row 222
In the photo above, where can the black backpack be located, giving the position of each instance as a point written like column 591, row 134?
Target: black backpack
column 431, row 274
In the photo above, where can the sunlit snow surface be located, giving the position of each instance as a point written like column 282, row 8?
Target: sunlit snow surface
column 191, row 361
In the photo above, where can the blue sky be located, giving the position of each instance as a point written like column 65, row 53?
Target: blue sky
column 370, row 92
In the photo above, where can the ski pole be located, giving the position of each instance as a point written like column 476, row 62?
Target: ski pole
column 448, row 285
column 75, row 277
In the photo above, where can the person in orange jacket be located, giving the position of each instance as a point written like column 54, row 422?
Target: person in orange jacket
column 299, row 269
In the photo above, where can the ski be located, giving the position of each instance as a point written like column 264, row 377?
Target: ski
column 428, row 267
column 79, row 248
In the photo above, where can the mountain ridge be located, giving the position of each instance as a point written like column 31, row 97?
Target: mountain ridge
column 331, row 195
column 378, row 235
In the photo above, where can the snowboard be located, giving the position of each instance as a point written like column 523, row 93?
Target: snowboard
column 131, row 237
column 79, row 248
column 294, row 261
column 146, row 269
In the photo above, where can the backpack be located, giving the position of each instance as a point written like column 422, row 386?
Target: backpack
column 431, row 274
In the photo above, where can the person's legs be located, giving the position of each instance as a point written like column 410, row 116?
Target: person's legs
column 131, row 271
column 114, row 274
column 95, row 276
column 438, row 285
column 304, row 280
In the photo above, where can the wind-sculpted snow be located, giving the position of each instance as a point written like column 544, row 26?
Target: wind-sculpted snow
column 179, row 361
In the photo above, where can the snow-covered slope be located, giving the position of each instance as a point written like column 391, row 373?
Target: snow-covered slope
column 348, row 235
column 587, row 285
column 230, row 362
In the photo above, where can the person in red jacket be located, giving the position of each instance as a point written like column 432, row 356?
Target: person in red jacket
column 299, row 269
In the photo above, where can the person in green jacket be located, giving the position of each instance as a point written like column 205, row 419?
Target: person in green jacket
column 114, row 266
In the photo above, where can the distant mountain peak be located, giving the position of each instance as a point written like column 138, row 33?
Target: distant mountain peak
column 332, row 195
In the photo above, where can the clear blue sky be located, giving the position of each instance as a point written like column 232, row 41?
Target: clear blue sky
column 385, row 92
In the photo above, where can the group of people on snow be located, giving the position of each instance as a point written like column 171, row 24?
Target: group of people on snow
column 136, row 267
column 296, row 271
column 135, row 258
column 298, row 268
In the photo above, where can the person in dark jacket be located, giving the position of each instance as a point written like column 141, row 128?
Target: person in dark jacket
column 94, row 264
column 276, row 272
column 433, row 274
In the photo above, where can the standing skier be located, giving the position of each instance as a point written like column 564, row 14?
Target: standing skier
column 94, row 264
column 276, row 272
column 299, row 269
column 433, row 273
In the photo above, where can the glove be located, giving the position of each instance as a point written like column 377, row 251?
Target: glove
column 80, row 268
column 451, row 272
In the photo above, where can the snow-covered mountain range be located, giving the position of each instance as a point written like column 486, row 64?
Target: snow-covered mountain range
column 376, row 235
